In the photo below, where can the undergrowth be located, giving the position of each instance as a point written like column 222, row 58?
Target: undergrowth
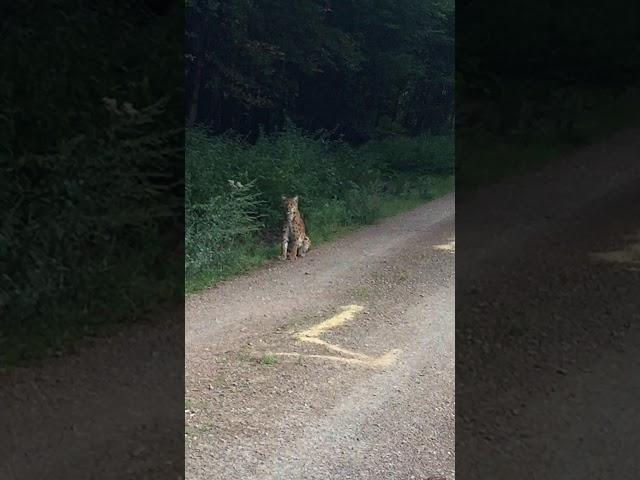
column 234, row 189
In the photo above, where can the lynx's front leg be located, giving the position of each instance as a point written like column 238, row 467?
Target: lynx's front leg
column 297, row 246
column 285, row 241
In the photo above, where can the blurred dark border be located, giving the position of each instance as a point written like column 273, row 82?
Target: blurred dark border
column 547, row 175
column 91, row 242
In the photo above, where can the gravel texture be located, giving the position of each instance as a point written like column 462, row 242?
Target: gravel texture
column 321, row 418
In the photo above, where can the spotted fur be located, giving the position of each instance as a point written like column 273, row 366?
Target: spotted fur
column 294, row 238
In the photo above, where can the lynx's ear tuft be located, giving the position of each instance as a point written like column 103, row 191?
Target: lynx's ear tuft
column 295, row 199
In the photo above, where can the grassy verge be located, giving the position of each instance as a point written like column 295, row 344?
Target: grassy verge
column 248, row 256
column 241, row 259
column 233, row 192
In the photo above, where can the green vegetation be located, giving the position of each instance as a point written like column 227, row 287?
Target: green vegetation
column 233, row 192
column 268, row 359
column 361, row 69
column 86, row 183
column 347, row 104
column 361, row 293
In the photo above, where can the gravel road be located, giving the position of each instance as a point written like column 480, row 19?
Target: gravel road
column 370, row 398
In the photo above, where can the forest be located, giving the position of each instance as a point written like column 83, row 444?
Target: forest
column 349, row 104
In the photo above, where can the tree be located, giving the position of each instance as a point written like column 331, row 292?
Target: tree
column 368, row 67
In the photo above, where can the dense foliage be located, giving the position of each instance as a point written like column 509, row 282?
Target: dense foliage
column 361, row 68
column 233, row 190
column 348, row 104
column 91, row 155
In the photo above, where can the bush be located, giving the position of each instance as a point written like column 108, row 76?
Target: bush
column 234, row 189
column 215, row 227
column 424, row 154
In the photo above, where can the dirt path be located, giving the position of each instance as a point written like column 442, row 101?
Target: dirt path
column 543, row 329
column 275, row 393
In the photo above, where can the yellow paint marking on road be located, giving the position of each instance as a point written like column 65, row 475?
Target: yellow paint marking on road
column 449, row 247
column 347, row 314
column 375, row 362
column 311, row 336
column 629, row 255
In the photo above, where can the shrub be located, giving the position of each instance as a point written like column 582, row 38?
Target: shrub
column 425, row 154
column 339, row 186
column 217, row 225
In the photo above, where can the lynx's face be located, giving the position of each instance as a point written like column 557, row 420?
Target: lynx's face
column 290, row 205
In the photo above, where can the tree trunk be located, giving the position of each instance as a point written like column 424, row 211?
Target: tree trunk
column 193, row 107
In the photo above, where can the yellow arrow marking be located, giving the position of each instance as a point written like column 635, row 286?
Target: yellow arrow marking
column 629, row 256
column 450, row 246
column 311, row 336
column 377, row 362
column 347, row 314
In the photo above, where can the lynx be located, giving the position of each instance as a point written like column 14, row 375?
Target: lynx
column 294, row 238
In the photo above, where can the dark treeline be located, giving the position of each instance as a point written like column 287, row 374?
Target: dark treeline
column 363, row 69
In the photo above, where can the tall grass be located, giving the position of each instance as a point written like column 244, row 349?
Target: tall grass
column 234, row 189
